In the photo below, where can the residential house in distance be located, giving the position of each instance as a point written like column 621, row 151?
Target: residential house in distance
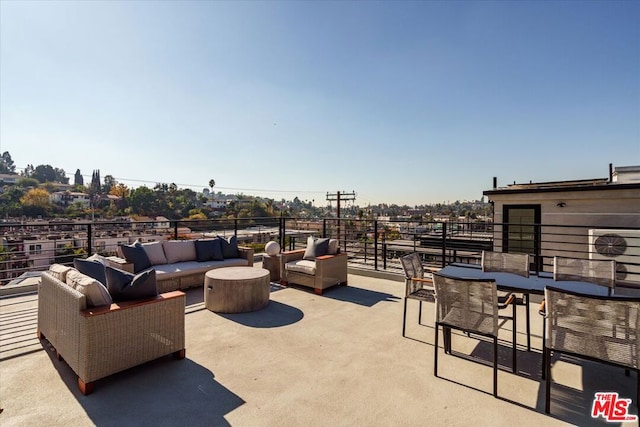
column 68, row 198
column 593, row 218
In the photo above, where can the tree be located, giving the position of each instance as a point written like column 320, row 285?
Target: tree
column 47, row 173
column 212, row 183
column 6, row 164
column 109, row 183
column 78, row 179
column 120, row 190
column 27, row 182
column 28, row 171
column 35, row 202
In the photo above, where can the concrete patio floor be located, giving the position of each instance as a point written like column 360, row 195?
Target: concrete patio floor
column 336, row 359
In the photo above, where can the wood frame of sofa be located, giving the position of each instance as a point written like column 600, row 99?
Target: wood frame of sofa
column 101, row 341
column 331, row 270
column 184, row 281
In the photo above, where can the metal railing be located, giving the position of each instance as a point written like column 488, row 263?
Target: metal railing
column 370, row 244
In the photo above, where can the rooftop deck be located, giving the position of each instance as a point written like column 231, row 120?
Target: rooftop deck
column 336, row 359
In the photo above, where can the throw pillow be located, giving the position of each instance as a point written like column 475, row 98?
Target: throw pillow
column 179, row 250
column 136, row 254
column 209, row 250
column 229, row 247
column 155, row 253
column 99, row 258
column 124, row 286
column 322, row 247
column 92, row 269
column 310, row 252
column 95, row 293
column 334, row 246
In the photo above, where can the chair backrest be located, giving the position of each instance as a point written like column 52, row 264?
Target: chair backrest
column 600, row 272
column 412, row 266
column 468, row 304
column 506, row 262
column 598, row 327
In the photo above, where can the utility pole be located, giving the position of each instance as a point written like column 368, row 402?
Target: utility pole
column 338, row 197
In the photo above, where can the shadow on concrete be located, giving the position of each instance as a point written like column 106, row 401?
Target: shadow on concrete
column 359, row 296
column 274, row 315
column 162, row 392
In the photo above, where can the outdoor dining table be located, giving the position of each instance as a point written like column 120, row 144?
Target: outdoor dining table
column 534, row 284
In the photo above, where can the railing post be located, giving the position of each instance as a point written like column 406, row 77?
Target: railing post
column 281, row 231
column 235, row 226
column 89, row 239
column 444, row 243
column 375, row 244
column 324, row 228
column 384, row 251
column 175, row 230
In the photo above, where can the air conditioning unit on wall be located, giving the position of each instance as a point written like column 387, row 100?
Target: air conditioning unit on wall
column 622, row 246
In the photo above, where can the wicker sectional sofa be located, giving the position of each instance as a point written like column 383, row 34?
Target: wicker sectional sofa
column 176, row 263
column 99, row 341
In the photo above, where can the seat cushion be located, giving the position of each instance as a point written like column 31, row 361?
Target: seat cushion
column 304, row 266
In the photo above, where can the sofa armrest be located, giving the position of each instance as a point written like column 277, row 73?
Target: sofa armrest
column 130, row 305
column 120, row 263
column 288, row 256
column 246, row 253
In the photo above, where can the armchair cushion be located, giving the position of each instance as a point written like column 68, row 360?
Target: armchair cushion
column 316, row 248
column 124, row 286
column 334, row 246
column 59, row 271
column 302, row 266
column 96, row 293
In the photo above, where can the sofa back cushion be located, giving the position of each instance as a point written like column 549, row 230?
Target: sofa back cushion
column 208, row 250
column 155, row 253
column 95, row 293
column 136, row 254
column 179, row 250
column 92, row 269
column 229, row 247
column 124, row 286
column 334, row 247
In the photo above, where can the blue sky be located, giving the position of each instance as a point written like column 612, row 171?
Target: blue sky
column 401, row 102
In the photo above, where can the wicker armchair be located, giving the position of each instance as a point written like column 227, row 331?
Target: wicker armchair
column 323, row 272
column 416, row 286
column 101, row 341
column 600, row 329
column 468, row 305
column 599, row 272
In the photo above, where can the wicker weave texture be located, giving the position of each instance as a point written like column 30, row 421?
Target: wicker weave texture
column 603, row 329
column 467, row 304
column 331, row 270
column 506, row 262
column 415, row 289
column 600, row 272
column 95, row 346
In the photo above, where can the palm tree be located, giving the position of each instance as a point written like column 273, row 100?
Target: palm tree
column 212, row 183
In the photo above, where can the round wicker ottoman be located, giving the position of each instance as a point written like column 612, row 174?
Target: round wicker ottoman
column 236, row 289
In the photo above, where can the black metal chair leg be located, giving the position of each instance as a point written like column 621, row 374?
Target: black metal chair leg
column 420, row 314
column 435, row 353
column 547, row 369
column 515, row 340
column 495, row 366
column 544, row 347
column 404, row 317
column 526, row 298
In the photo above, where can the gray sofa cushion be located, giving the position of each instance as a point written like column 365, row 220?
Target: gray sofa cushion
column 95, row 293
column 179, row 269
column 155, row 252
column 304, row 266
column 179, row 250
column 125, row 286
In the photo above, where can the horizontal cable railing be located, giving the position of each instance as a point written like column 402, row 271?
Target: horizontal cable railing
column 370, row 244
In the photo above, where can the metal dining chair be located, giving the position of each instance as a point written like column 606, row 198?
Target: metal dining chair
column 416, row 286
column 591, row 328
column 599, row 272
column 468, row 305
